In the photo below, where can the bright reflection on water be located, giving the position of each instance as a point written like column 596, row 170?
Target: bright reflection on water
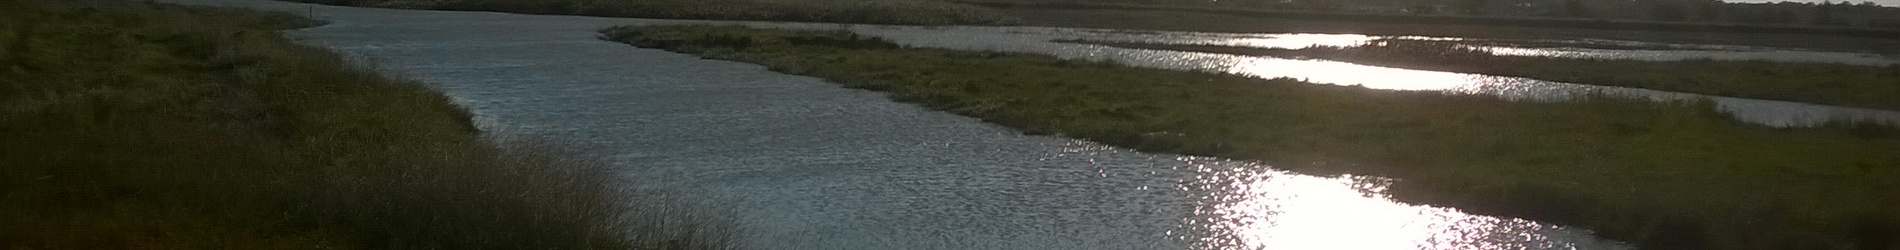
column 1581, row 48
column 1285, row 41
column 1350, row 73
column 1247, row 205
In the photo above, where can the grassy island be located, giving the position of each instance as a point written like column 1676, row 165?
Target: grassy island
column 129, row 125
column 1820, row 83
column 1663, row 176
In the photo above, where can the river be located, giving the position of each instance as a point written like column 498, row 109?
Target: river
column 806, row 164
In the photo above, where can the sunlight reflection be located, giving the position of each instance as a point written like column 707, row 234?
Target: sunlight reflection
column 1342, row 73
column 1249, row 206
column 1580, row 48
column 1549, row 52
column 1296, row 41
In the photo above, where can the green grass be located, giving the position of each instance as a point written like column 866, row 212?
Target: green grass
column 1821, row 83
column 146, row 126
column 911, row 12
column 1665, row 176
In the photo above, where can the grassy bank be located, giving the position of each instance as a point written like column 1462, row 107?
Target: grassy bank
column 1822, row 83
column 1666, row 176
column 146, row 126
column 910, row 12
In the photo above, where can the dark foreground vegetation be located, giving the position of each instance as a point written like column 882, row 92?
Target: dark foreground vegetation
column 145, row 126
column 1822, row 83
column 912, row 12
column 1664, row 176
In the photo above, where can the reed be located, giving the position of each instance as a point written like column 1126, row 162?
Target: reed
column 130, row 125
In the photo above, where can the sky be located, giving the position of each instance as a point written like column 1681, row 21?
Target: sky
column 1888, row 3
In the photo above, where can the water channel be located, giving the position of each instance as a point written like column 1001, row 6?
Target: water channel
column 806, row 164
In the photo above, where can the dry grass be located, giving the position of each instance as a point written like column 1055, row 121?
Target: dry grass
column 146, row 126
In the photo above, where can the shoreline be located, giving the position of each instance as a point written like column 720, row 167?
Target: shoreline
column 1812, row 83
column 1571, row 23
column 1244, row 21
column 1675, row 175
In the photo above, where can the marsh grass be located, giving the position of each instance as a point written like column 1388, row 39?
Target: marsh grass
column 147, row 126
column 1662, row 175
column 911, row 12
column 1820, row 83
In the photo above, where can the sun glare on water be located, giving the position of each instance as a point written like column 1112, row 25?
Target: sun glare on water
column 1295, row 41
column 1249, row 207
column 1342, row 73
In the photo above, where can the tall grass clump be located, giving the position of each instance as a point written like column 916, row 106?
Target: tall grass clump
column 147, row 126
column 1820, row 83
column 1661, row 175
column 908, row 12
